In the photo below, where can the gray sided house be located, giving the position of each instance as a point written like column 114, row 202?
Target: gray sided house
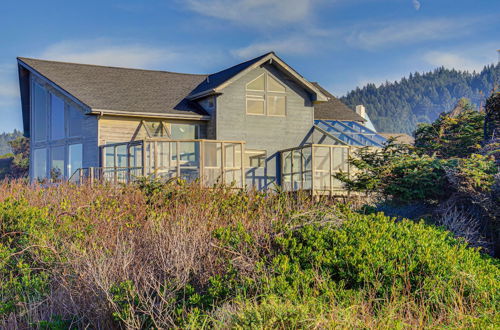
column 256, row 124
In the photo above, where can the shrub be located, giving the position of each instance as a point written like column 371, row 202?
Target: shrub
column 451, row 135
column 176, row 255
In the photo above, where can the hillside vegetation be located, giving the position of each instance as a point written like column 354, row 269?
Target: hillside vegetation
column 160, row 255
column 420, row 98
column 5, row 138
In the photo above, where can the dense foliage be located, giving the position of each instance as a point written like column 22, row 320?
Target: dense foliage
column 452, row 135
column 174, row 255
column 16, row 163
column 402, row 176
column 492, row 120
column 450, row 176
column 421, row 98
column 5, row 138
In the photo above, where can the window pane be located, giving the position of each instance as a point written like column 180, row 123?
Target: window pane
column 255, row 107
column 40, row 112
column 75, row 156
column 109, row 156
column 322, row 159
column 56, row 117
column 274, row 85
column 213, row 154
column 57, row 163
column 75, row 120
column 184, row 131
column 121, row 155
column 276, row 105
column 257, row 84
column 40, row 163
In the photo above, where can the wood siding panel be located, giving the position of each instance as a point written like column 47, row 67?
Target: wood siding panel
column 115, row 129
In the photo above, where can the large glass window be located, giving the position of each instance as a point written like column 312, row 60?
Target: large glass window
column 184, row 131
column 266, row 96
column 39, row 112
column 75, row 158
column 75, row 119
column 56, row 118
column 40, row 163
column 57, row 163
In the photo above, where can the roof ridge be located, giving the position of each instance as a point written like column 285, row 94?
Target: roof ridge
column 112, row 67
column 241, row 63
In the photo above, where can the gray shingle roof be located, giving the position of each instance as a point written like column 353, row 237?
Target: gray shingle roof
column 122, row 89
column 216, row 79
column 155, row 92
column 334, row 109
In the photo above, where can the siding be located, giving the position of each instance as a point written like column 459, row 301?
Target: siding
column 115, row 129
column 264, row 132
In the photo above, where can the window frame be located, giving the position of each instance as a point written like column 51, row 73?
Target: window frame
column 266, row 94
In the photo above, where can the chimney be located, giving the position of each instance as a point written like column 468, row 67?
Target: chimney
column 361, row 110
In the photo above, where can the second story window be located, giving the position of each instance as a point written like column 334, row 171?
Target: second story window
column 56, row 118
column 265, row 96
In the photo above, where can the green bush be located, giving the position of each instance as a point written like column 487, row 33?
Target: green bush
column 321, row 269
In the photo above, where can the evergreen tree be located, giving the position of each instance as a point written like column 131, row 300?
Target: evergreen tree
column 421, row 98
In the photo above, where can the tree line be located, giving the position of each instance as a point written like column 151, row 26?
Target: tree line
column 420, row 98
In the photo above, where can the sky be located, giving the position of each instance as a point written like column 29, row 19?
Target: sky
column 341, row 44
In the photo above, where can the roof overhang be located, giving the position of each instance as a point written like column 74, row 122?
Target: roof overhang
column 108, row 112
column 274, row 59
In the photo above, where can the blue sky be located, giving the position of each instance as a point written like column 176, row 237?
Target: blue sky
column 340, row 43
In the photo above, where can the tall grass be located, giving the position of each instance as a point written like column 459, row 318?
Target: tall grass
column 177, row 255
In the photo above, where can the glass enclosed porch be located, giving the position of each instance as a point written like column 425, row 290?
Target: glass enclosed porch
column 209, row 161
column 312, row 168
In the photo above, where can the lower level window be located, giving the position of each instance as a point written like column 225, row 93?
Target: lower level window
column 57, row 163
column 75, row 157
column 184, row 131
column 40, row 163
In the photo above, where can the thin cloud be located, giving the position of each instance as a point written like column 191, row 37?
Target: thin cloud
column 291, row 46
column 100, row 53
column 254, row 12
column 462, row 60
column 416, row 4
column 408, row 32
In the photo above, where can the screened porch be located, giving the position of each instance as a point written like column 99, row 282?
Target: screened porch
column 312, row 167
column 209, row 161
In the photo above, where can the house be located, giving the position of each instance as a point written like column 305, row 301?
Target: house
column 255, row 124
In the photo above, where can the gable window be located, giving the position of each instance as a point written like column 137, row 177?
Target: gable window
column 56, row 117
column 265, row 96
column 75, row 120
column 39, row 112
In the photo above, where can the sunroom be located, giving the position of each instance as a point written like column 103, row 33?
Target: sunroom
column 209, row 161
